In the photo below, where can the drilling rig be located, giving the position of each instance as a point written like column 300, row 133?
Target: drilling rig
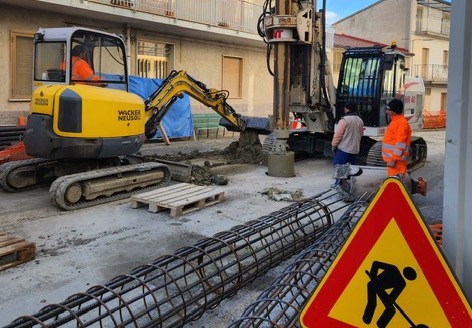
column 304, row 88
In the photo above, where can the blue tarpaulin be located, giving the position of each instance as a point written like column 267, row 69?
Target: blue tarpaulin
column 178, row 120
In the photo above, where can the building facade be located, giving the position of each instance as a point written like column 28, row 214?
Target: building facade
column 216, row 42
column 419, row 26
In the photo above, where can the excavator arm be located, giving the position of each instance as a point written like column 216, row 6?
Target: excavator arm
column 178, row 83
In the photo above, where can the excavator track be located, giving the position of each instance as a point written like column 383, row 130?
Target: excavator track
column 417, row 158
column 101, row 186
column 374, row 157
column 26, row 174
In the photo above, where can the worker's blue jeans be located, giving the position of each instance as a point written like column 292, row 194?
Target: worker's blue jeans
column 341, row 157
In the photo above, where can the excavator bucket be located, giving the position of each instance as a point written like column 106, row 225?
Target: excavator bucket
column 260, row 125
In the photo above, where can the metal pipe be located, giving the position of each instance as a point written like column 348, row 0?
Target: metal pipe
column 281, row 304
column 176, row 289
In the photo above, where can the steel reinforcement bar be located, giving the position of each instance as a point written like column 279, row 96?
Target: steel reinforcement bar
column 176, row 289
column 281, row 304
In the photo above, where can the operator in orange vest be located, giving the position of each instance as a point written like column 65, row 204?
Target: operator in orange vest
column 80, row 68
column 396, row 141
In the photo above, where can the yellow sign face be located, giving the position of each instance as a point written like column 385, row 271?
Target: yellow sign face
column 390, row 273
column 417, row 295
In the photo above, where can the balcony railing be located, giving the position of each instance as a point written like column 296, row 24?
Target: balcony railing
column 432, row 73
column 433, row 25
column 237, row 15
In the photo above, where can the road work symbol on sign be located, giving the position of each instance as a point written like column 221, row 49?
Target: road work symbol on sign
column 389, row 273
column 386, row 283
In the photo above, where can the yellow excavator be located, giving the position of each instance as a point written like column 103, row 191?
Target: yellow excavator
column 81, row 131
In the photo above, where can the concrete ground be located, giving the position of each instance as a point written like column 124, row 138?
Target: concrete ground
column 79, row 249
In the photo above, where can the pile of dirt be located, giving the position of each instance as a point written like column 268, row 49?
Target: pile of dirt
column 246, row 150
column 202, row 176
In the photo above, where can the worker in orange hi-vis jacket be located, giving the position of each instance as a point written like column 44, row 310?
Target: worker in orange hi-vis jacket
column 81, row 70
column 396, row 141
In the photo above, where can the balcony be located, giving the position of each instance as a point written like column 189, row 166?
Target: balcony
column 237, row 15
column 428, row 25
column 437, row 74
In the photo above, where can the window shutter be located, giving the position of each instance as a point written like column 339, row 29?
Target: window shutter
column 22, row 53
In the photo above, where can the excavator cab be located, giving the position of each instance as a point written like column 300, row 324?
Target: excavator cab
column 56, row 56
column 371, row 77
column 81, row 107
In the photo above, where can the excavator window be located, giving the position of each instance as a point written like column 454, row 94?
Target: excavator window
column 360, row 81
column 49, row 64
column 106, row 57
column 370, row 77
column 360, row 77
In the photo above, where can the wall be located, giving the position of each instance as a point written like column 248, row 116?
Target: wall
column 203, row 60
column 200, row 58
column 257, row 83
column 384, row 22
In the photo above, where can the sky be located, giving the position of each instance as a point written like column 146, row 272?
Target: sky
column 338, row 9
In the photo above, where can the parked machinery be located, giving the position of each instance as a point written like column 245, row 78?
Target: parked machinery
column 80, row 131
column 304, row 87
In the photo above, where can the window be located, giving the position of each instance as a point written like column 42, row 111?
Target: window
column 21, row 65
column 425, row 63
column 50, row 61
column 103, row 54
column 154, row 59
column 232, row 76
column 443, row 101
column 445, row 58
column 361, row 77
column 419, row 19
column 446, row 24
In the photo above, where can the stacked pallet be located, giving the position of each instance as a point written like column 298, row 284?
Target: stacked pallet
column 15, row 251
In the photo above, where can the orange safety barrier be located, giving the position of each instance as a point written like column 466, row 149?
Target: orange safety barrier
column 434, row 121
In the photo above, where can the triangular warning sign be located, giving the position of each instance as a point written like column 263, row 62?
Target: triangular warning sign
column 390, row 273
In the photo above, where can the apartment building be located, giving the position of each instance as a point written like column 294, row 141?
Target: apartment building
column 421, row 27
column 216, row 42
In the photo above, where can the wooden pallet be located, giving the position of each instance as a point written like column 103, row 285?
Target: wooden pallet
column 14, row 251
column 180, row 198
